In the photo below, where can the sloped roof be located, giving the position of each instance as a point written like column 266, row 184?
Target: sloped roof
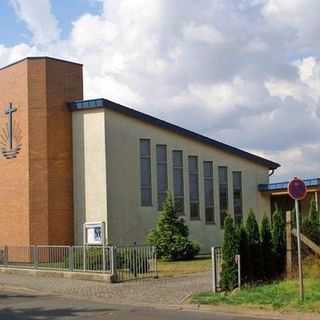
column 104, row 103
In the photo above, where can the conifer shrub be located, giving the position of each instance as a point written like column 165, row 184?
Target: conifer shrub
column 266, row 249
column 278, row 241
column 229, row 251
column 314, row 232
column 254, row 248
column 170, row 235
column 243, row 251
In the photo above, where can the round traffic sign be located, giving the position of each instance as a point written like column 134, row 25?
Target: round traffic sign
column 297, row 189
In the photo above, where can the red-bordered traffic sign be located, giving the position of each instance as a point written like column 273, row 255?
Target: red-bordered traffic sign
column 297, row 189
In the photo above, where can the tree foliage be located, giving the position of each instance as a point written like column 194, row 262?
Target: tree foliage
column 278, row 241
column 243, row 252
column 310, row 224
column 229, row 251
column 266, row 248
column 170, row 235
column 254, row 249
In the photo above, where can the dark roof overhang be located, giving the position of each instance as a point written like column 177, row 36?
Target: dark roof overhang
column 104, row 103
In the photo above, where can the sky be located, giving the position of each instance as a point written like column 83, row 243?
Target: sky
column 244, row 72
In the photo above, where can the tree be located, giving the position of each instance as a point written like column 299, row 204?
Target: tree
column 278, row 241
column 242, row 239
column 170, row 235
column 314, row 222
column 310, row 224
column 254, row 250
column 266, row 248
column 229, row 251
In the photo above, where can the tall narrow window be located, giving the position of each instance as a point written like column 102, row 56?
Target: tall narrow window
column 223, row 193
column 162, row 174
column 145, row 173
column 208, row 191
column 178, row 185
column 237, row 196
column 194, row 187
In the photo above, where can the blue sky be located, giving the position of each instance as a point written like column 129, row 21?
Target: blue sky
column 245, row 72
column 13, row 30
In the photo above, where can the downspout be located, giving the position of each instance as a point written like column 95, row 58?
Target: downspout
column 271, row 173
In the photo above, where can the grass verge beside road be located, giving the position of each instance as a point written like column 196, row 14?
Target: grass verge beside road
column 180, row 268
column 280, row 296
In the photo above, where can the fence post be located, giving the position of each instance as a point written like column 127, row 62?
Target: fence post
column 213, row 260
column 289, row 243
column 35, row 256
column 103, row 258
column 155, row 262
column 238, row 259
column 6, row 256
column 84, row 257
column 71, row 264
column 113, row 262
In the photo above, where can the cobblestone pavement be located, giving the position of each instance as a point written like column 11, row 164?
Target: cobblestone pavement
column 169, row 291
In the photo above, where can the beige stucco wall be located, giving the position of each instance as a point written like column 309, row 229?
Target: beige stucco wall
column 89, row 167
column 128, row 222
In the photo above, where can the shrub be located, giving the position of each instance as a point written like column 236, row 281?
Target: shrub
column 170, row 235
column 314, row 223
column 278, row 241
column 242, row 238
column 266, row 248
column 254, row 270
column 229, row 250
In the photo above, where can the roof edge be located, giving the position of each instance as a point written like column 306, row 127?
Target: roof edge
column 104, row 103
column 39, row 57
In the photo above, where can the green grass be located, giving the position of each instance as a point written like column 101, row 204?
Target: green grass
column 178, row 268
column 282, row 296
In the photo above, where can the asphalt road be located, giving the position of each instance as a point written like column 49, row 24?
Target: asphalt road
column 33, row 306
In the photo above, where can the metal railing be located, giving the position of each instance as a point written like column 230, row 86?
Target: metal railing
column 123, row 263
column 134, row 263
column 284, row 185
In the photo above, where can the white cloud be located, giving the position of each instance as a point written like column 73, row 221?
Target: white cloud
column 39, row 19
column 245, row 72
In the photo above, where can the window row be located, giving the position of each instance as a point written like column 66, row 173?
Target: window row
column 193, row 175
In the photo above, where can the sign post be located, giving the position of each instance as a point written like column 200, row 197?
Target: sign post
column 297, row 191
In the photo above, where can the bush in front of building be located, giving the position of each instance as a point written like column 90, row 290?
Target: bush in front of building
column 170, row 235
column 229, row 251
column 310, row 224
column 278, row 242
column 254, row 248
column 243, row 250
column 266, row 248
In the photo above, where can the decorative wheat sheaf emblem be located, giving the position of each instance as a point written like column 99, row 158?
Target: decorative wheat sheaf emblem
column 10, row 135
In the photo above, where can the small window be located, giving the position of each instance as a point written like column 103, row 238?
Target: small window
column 194, row 188
column 237, row 196
column 162, row 174
column 208, row 192
column 223, row 193
column 178, row 183
column 145, row 173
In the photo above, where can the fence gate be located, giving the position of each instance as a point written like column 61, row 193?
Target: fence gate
column 134, row 263
column 216, row 256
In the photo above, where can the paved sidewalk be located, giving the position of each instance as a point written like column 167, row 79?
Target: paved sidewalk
column 170, row 291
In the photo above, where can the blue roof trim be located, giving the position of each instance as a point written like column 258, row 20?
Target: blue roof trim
column 104, row 103
column 310, row 183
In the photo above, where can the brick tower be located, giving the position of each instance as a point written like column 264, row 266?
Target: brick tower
column 36, row 194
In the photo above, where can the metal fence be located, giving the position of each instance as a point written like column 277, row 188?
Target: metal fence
column 123, row 263
column 216, row 254
column 134, row 263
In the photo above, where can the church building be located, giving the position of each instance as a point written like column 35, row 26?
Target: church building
column 77, row 171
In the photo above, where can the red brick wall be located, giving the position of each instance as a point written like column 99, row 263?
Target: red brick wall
column 14, row 174
column 36, row 205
